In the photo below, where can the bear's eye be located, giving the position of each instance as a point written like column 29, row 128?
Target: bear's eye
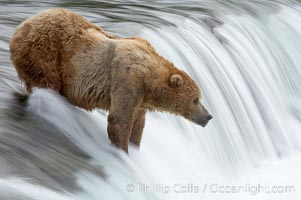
column 196, row 101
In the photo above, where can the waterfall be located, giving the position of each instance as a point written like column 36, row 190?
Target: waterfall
column 244, row 56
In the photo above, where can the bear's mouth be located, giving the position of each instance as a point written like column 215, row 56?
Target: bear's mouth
column 203, row 125
column 200, row 120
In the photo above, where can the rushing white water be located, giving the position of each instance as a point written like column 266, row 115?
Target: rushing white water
column 246, row 59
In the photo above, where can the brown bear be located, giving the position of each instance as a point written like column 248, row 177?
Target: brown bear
column 60, row 50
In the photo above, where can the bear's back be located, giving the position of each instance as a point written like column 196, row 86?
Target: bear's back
column 43, row 45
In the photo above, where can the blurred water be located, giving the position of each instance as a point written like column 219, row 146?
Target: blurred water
column 245, row 57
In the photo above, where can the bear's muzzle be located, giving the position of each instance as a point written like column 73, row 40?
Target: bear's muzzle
column 202, row 119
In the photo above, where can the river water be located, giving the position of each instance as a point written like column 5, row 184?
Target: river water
column 245, row 56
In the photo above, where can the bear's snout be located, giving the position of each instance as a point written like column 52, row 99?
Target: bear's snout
column 209, row 117
column 202, row 119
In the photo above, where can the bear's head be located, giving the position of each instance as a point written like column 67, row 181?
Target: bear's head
column 180, row 95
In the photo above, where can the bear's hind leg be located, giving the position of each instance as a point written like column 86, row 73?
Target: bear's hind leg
column 138, row 126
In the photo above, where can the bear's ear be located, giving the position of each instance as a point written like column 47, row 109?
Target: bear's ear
column 176, row 80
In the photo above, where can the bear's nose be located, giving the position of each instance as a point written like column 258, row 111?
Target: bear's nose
column 209, row 117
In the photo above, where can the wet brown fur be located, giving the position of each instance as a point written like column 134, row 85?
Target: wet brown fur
column 60, row 50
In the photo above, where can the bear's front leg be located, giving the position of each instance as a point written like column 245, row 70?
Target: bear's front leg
column 138, row 126
column 119, row 130
column 125, row 101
